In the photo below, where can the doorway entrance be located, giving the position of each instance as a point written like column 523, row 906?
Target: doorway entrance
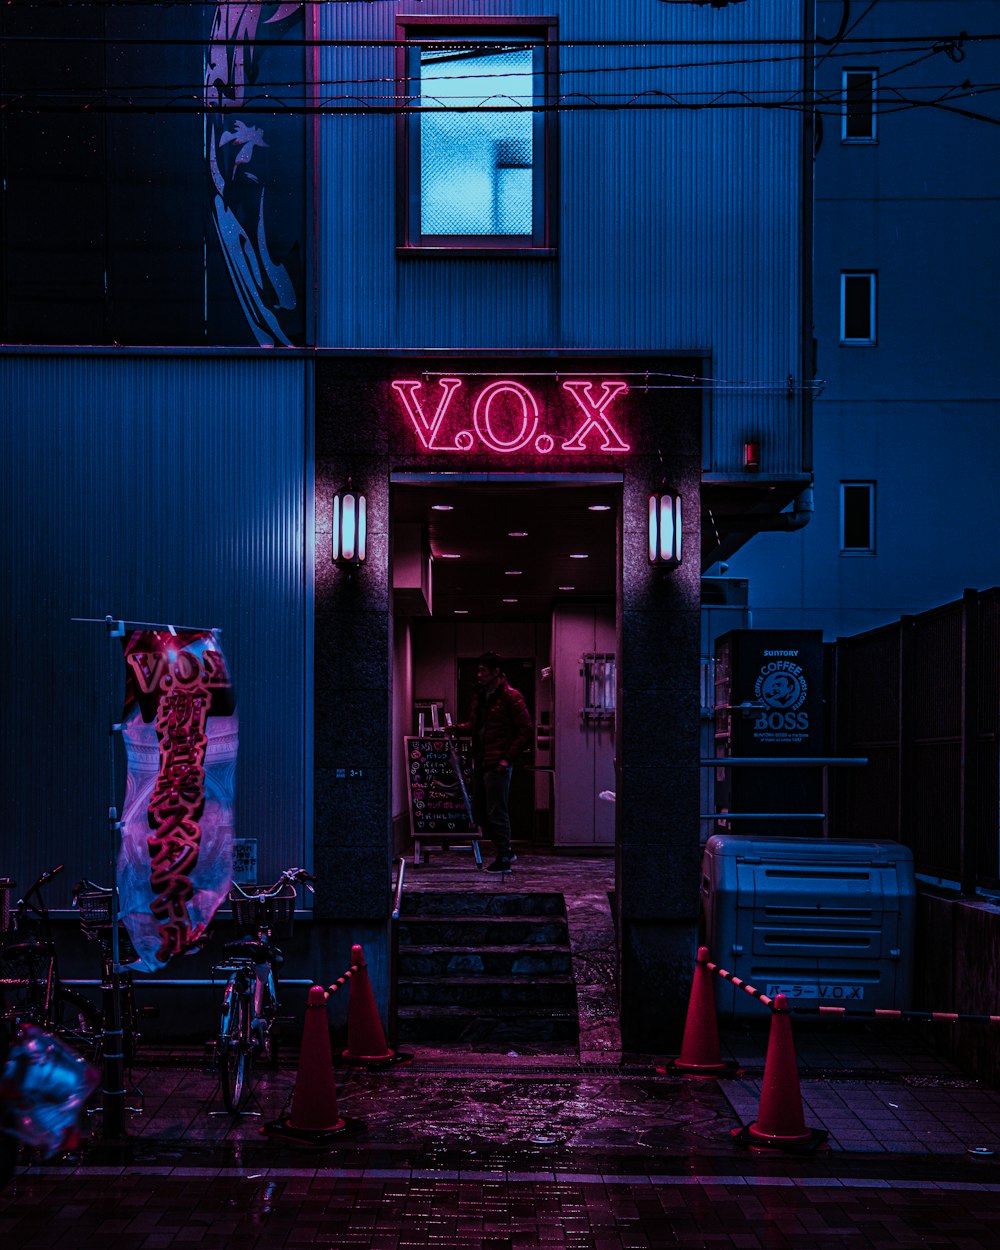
column 526, row 566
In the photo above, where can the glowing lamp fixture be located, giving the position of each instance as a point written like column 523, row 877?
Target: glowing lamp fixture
column 665, row 528
column 350, row 526
column 751, row 456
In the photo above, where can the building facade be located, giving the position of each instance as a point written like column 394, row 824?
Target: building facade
column 521, row 266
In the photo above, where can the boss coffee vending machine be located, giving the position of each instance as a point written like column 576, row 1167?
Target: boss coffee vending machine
column 770, row 704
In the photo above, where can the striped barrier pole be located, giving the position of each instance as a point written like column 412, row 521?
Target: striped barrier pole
column 739, row 983
column 890, row 1013
column 341, row 981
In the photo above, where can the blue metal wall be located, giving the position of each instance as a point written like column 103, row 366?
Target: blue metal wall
column 159, row 489
column 679, row 229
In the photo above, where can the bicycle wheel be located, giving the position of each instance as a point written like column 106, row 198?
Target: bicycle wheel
column 235, row 1044
column 77, row 1021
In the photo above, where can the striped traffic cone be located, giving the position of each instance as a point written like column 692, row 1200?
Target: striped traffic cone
column 314, row 1117
column 366, row 1044
column 700, row 1045
column 780, row 1123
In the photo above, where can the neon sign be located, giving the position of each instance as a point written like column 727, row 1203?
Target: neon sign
column 509, row 433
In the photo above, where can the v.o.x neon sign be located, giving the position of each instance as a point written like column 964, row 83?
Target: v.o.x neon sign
column 596, row 423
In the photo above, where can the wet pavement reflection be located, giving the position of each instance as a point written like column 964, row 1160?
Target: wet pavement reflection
column 579, row 1146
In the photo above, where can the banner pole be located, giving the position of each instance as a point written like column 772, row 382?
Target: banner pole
column 113, row 1120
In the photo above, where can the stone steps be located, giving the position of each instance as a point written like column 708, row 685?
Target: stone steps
column 479, row 930
column 556, row 991
column 490, row 969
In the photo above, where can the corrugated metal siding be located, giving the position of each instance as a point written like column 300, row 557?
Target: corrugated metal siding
column 679, row 230
column 164, row 490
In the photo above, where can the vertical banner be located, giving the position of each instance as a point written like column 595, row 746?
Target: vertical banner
column 180, row 730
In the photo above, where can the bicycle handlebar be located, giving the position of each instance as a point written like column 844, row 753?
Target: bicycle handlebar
column 288, row 876
column 86, row 886
column 46, row 876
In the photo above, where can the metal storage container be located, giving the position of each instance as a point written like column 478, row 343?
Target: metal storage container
column 822, row 921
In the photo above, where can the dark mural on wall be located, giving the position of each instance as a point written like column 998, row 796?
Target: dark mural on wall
column 154, row 174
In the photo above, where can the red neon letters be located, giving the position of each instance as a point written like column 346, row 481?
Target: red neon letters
column 596, row 424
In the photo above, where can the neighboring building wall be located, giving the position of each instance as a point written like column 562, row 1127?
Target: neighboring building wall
column 916, row 414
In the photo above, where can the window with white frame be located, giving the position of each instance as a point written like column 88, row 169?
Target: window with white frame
column 857, row 308
column 858, row 125
column 475, row 150
column 857, row 518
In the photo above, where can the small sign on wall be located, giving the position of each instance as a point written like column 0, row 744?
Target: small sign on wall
column 245, row 861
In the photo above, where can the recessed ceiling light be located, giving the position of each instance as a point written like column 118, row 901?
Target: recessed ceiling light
column 442, row 507
column 448, row 555
column 578, row 555
column 461, row 611
column 517, row 533
column 599, row 507
column 512, row 572
column 566, row 588
column 510, row 601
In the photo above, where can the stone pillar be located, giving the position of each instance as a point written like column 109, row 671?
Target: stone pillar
column 658, row 750
column 352, row 687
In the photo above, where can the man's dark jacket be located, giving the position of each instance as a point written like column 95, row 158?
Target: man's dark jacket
column 507, row 728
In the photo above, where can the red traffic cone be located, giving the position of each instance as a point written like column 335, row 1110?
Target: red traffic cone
column 366, row 1042
column 700, row 1045
column 780, row 1119
column 314, row 1117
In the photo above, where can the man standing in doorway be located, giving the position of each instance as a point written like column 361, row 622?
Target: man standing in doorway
column 501, row 730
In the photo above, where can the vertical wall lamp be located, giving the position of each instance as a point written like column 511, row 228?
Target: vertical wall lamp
column 665, row 530
column 751, row 456
column 350, row 526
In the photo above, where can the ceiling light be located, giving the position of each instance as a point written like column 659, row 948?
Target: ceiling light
column 510, row 601
column 442, row 507
column 566, row 588
column 599, row 507
column 517, row 534
column 512, row 572
column 448, row 555
column 461, row 611
column 578, row 555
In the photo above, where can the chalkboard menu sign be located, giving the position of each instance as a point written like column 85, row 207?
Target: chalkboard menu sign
column 437, row 803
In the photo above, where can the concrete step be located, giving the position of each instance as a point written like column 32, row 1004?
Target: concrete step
column 498, row 1028
column 489, row 992
column 494, row 961
column 481, row 903
column 483, row 930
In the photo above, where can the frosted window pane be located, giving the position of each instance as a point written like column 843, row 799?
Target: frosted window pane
column 475, row 175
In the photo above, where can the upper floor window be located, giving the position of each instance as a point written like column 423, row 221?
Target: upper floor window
column 859, row 106
column 857, row 308
column 476, row 143
column 857, row 518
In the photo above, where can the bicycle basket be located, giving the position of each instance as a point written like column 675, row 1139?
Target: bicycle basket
column 94, row 908
column 255, row 908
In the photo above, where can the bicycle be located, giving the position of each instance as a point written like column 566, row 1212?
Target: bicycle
column 249, row 1022
column 93, row 905
column 30, row 987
